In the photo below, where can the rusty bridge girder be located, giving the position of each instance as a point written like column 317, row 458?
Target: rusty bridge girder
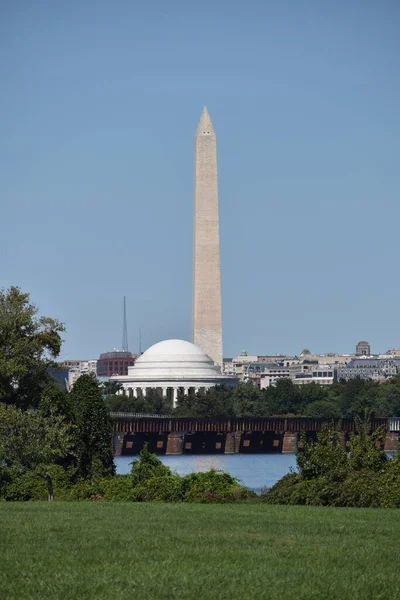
column 126, row 423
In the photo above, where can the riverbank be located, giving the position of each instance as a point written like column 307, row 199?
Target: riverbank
column 108, row 551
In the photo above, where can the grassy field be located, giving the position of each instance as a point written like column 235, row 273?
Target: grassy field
column 104, row 551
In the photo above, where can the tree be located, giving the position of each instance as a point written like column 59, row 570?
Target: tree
column 322, row 409
column 56, row 400
column 388, row 401
column 95, row 457
column 28, row 345
column 246, row 400
column 358, row 397
column 31, row 442
column 112, row 387
column 216, row 402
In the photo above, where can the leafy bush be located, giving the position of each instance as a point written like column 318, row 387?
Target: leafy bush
column 167, row 488
column 118, row 487
column 212, row 486
column 147, row 466
column 326, row 458
column 329, row 477
column 31, row 485
column 281, row 492
column 361, row 489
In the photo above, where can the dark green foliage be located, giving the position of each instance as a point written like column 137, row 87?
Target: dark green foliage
column 153, row 403
column 31, row 443
column 213, row 486
column 95, row 429
column 328, row 476
column 31, row 485
column 326, row 458
column 152, row 480
column 56, row 401
column 215, row 402
column 28, row 345
column 367, row 449
column 323, row 409
column 159, row 489
column 355, row 398
column 147, row 466
column 111, row 387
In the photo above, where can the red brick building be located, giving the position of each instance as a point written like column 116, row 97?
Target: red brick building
column 114, row 363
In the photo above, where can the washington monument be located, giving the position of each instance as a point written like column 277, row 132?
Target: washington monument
column 207, row 319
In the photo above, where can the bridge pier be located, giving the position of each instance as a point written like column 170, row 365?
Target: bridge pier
column 117, row 443
column 175, row 442
column 290, row 442
column 392, row 441
column 232, row 442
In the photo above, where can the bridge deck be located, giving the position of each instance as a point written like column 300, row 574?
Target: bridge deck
column 125, row 422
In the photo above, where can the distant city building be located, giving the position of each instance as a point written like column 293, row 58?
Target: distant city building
column 115, row 363
column 76, row 368
column 321, row 374
column 271, row 375
column 363, row 349
column 300, row 374
column 393, row 352
column 265, row 370
column 377, row 369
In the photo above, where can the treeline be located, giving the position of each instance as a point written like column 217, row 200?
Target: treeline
column 353, row 398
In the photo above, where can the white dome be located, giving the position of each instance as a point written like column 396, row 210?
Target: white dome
column 173, row 348
column 174, row 359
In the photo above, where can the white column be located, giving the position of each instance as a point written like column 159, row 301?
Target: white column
column 135, row 392
column 185, row 391
column 174, row 396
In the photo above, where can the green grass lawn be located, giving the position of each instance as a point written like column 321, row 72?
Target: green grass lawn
column 102, row 550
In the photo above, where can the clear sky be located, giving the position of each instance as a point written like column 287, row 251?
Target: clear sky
column 99, row 104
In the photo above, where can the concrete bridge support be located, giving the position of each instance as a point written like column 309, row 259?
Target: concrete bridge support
column 118, row 442
column 175, row 443
column 392, row 441
column 232, row 442
column 290, row 442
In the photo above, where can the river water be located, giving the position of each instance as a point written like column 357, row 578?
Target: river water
column 253, row 470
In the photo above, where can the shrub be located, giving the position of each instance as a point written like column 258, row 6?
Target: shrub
column 325, row 458
column 118, row 487
column 167, row 488
column 211, row 486
column 31, row 485
column 281, row 492
column 361, row 489
column 147, row 466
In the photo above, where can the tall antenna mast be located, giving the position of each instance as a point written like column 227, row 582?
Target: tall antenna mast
column 125, row 330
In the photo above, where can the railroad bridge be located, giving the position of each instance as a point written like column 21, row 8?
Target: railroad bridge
column 187, row 435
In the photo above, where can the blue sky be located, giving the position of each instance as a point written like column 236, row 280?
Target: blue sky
column 99, row 106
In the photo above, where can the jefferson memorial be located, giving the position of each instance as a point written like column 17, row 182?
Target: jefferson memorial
column 172, row 367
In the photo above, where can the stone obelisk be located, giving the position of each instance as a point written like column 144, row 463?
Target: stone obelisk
column 207, row 319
